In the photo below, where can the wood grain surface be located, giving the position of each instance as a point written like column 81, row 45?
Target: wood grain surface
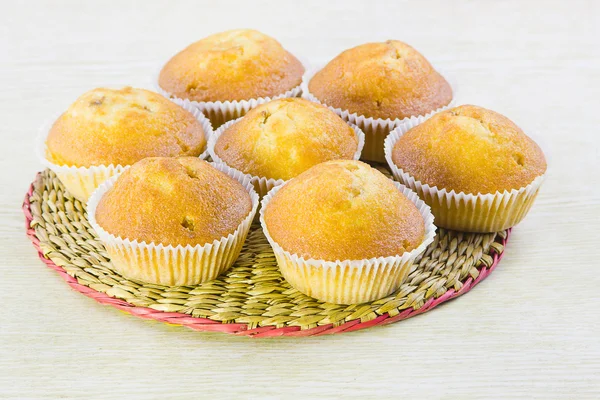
column 531, row 330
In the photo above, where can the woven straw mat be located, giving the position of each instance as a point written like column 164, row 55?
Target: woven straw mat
column 252, row 298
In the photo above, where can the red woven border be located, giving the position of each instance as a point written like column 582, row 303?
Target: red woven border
column 204, row 324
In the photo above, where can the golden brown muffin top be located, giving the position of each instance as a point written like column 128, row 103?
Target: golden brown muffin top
column 173, row 201
column 283, row 138
column 122, row 126
column 343, row 210
column 233, row 65
column 469, row 149
column 381, row 80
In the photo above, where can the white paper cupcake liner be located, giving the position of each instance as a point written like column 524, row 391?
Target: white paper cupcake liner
column 375, row 129
column 349, row 281
column 263, row 184
column 219, row 112
column 172, row 265
column 491, row 212
column 82, row 181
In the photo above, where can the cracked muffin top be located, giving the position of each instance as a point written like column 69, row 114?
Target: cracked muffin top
column 469, row 149
column 108, row 126
column 381, row 80
column 239, row 64
column 283, row 138
column 343, row 210
column 173, row 201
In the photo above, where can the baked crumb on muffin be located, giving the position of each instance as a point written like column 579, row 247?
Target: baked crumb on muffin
column 381, row 80
column 283, row 138
column 121, row 127
column 343, row 210
column 469, row 149
column 173, row 201
column 239, row 64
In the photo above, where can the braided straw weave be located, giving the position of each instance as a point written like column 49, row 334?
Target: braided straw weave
column 251, row 298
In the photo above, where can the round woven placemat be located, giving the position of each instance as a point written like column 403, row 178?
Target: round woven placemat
column 252, row 298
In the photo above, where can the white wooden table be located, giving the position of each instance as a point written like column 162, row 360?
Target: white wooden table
column 532, row 329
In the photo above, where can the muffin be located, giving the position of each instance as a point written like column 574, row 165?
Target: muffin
column 476, row 169
column 233, row 66
column 279, row 140
column 376, row 86
column 173, row 221
column 106, row 130
column 344, row 233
